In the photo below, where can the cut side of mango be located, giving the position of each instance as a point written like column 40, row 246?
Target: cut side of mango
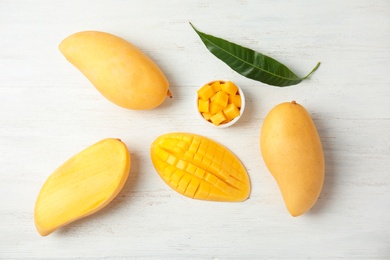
column 82, row 185
column 200, row 168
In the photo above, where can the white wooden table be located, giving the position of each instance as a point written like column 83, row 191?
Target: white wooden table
column 49, row 111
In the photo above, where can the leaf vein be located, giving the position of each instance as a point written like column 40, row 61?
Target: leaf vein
column 251, row 65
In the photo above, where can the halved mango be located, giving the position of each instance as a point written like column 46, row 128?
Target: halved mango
column 199, row 168
column 82, row 185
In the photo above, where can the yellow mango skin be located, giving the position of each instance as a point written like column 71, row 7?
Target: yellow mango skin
column 119, row 70
column 292, row 151
column 199, row 168
column 84, row 184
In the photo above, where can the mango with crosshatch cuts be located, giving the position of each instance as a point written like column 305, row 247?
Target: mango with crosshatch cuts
column 119, row 70
column 199, row 168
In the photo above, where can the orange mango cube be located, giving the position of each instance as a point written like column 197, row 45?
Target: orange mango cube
column 203, row 105
column 235, row 99
column 207, row 116
column 205, row 92
column 215, row 108
column 218, row 118
column 216, row 86
column 230, row 88
column 221, row 98
column 231, row 112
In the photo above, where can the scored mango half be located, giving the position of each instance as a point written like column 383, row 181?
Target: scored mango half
column 82, row 185
column 200, row 168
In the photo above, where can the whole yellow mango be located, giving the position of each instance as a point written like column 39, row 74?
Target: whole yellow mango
column 292, row 151
column 84, row 184
column 120, row 71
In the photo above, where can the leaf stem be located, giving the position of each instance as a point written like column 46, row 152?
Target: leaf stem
column 312, row 71
column 250, row 63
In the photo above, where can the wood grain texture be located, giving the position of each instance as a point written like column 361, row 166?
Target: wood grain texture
column 49, row 112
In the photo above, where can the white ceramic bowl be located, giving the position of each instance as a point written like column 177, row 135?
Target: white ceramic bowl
column 226, row 124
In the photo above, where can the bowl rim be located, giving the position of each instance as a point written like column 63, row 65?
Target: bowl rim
column 242, row 108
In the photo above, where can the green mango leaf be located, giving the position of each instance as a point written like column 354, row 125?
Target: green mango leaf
column 251, row 64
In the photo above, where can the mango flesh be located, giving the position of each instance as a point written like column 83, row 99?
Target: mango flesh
column 292, row 151
column 82, row 185
column 119, row 70
column 199, row 168
column 219, row 102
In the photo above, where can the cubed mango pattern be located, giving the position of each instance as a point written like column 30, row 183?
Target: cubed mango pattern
column 200, row 168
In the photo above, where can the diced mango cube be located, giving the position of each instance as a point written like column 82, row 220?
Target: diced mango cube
column 212, row 97
column 216, row 86
column 207, row 116
column 203, row 105
column 231, row 112
column 218, row 118
column 215, row 108
column 221, row 99
column 225, row 121
column 235, row 99
column 221, row 86
column 230, row 99
column 205, row 92
column 230, row 88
